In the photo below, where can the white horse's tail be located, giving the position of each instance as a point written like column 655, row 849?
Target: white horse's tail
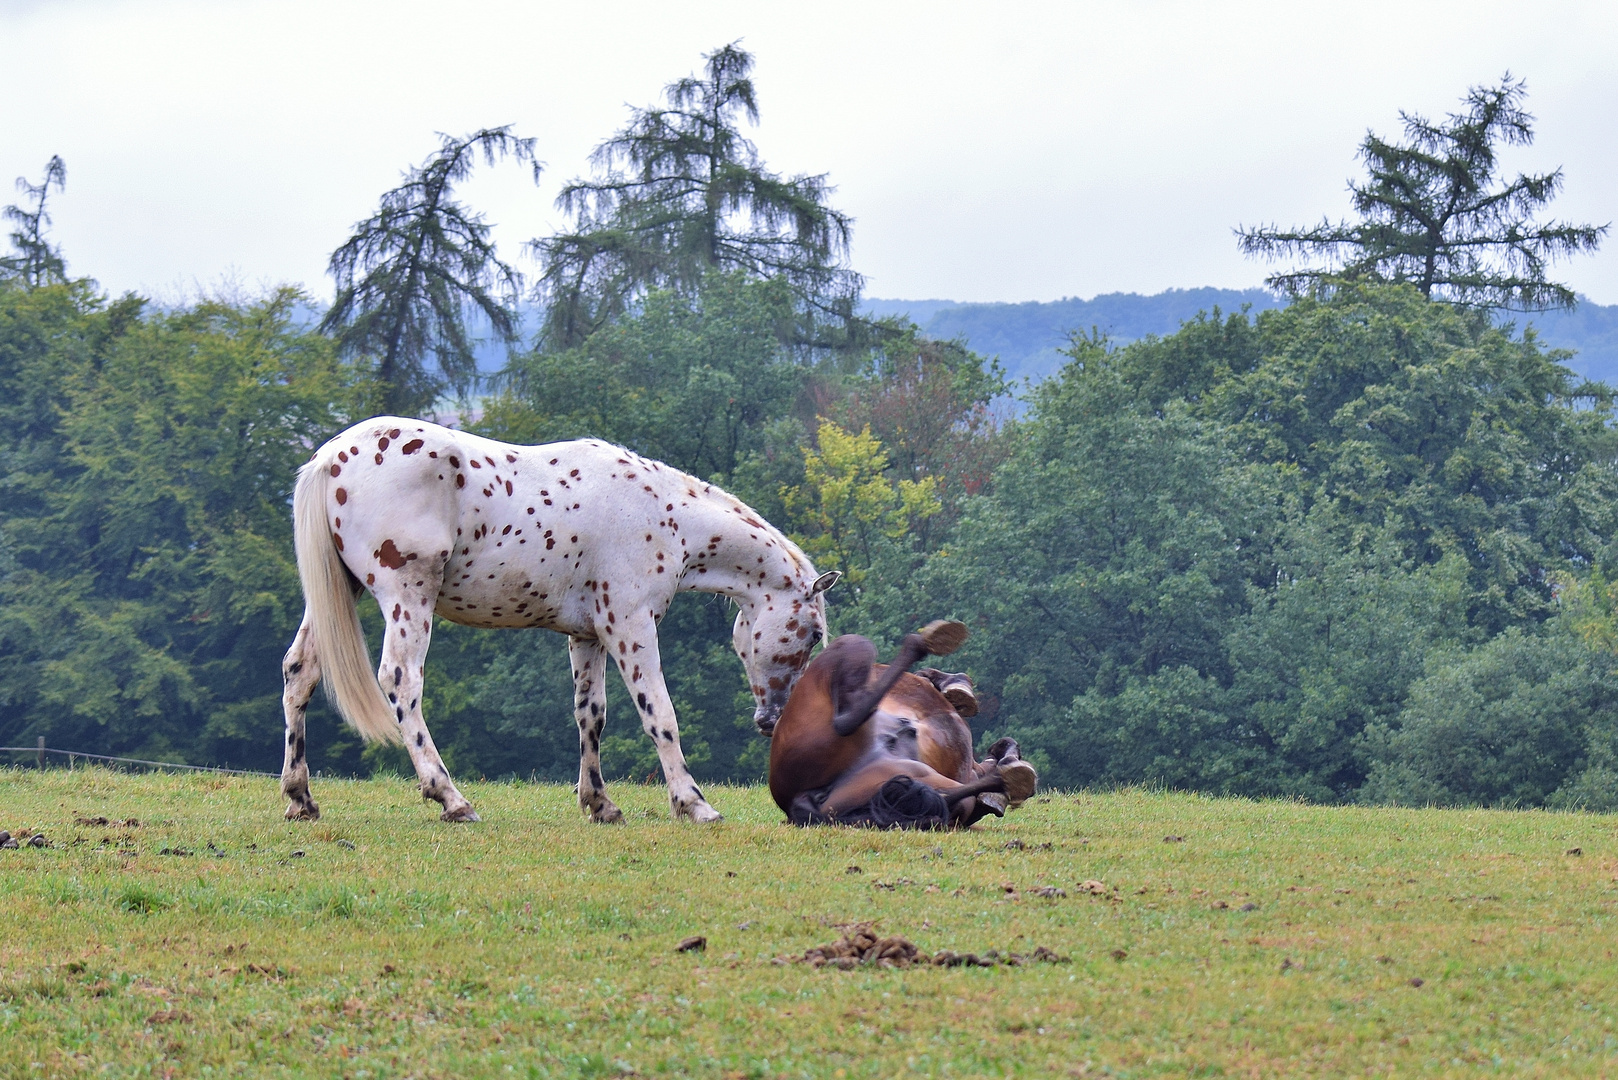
column 334, row 620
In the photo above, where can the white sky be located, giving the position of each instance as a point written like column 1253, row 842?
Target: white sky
column 1004, row 151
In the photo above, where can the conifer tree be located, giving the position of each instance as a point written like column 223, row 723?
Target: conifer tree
column 35, row 260
column 411, row 274
column 1435, row 213
column 680, row 192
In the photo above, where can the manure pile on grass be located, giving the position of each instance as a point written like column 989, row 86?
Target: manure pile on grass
column 859, row 944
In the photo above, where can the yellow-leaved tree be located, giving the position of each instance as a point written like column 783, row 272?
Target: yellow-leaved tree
column 1591, row 607
column 847, row 507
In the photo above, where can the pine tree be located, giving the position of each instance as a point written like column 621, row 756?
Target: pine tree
column 679, row 193
column 411, row 274
column 35, row 260
column 1435, row 213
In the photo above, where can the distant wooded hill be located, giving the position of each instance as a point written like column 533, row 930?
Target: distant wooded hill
column 1026, row 336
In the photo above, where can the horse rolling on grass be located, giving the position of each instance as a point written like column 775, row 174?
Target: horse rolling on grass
column 867, row 744
column 583, row 537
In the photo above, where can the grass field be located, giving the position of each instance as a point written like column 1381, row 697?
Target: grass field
column 217, row 939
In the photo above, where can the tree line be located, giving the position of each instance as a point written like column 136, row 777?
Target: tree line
column 1354, row 549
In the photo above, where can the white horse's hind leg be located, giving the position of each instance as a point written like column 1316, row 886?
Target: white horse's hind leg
column 589, row 659
column 407, row 612
column 300, row 672
column 641, row 665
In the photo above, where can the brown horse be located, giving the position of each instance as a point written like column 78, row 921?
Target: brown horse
column 864, row 743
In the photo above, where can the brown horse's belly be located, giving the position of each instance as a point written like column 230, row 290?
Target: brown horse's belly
column 943, row 741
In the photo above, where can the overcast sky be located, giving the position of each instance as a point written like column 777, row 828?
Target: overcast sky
column 993, row 151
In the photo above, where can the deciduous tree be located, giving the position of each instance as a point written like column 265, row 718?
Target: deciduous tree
column 847, row 505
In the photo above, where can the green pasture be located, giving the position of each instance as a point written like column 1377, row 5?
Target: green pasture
column 216, row 939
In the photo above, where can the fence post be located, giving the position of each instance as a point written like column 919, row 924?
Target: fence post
column 42, row 751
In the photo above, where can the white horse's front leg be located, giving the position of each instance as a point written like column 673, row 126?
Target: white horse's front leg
column 634, row 646
column 404, row 655
column 300, row 674
column 589, row 658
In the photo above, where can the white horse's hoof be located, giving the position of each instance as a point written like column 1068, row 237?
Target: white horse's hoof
column 463, row 813
column 607, row 814
column 304, row 810
column 703, row 813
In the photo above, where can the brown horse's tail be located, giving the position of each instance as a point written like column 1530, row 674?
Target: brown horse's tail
column 334, row 620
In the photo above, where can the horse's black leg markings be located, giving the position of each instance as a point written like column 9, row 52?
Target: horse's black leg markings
column 408, row 611
column 589, row 659
column 642, row 670
column 300, row 674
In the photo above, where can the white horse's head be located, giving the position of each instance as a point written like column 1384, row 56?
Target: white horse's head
column 775, row 640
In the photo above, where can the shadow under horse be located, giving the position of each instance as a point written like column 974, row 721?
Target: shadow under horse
column 862, row 743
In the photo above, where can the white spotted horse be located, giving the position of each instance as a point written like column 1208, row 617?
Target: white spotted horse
column 583, row 537
column 867, row 744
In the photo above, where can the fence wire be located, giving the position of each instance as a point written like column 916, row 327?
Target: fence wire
column 73, row 755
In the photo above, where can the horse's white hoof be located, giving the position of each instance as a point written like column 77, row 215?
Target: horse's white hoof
column 704, row 813
column 463, row 813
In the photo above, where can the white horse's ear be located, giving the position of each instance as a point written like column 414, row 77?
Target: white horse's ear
column 825, row 581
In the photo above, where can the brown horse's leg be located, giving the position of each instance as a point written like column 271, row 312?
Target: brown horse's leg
column 860, row 786
column 1004, row 750
column 1021, row 780
column 956, row 686
column 936, row 638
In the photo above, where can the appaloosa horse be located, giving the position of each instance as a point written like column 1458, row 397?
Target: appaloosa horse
column 582, row 537
column 860, row 743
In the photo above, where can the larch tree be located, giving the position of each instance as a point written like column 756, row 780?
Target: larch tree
column 34, row 258
column 680, row 192
column 1436, row 213
column 411, row 275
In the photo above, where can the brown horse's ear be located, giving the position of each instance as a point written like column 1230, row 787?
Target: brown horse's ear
column 825, row 581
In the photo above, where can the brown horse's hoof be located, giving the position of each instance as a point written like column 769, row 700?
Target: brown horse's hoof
column 962, row 700
column 1020, row 781
column 995, row 802
column 943, row 636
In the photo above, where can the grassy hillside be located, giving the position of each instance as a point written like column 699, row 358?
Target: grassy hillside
column 215, row 938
